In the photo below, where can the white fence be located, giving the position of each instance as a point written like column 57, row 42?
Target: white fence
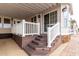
column 26, row 28
column 32, row 28
column 52, row 33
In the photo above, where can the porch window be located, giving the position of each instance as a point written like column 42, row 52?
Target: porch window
column 7, row 23
column 46, row 22
column 53, row 18
column 6, row 20
column 33, row 19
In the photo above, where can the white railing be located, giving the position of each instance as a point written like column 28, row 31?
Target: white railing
column 52, row 33
column 32, row 28
column 26, row 28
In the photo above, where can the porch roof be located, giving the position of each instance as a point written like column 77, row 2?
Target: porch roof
column 23, row 10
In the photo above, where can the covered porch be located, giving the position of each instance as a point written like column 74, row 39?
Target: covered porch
column 34, row 27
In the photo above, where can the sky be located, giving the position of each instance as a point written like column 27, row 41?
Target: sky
column 76, row 11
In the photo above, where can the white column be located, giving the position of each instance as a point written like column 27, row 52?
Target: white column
column 39, row 28
column 23, row 28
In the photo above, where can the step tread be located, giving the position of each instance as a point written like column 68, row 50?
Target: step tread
column 36, row 46
column 38, row 38
column 39, row 41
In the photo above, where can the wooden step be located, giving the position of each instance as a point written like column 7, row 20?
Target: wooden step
column 39, row 42
column 37, row 38
column 40, row 39
column 35, row 42
column 40, row 36
column 33, row 46
column 43, row 49
column 32, row 52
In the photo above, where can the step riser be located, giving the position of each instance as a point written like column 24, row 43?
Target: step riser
column 35, row 42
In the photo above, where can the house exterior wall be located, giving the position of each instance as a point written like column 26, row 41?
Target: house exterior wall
column 6, row 30
column 41, row 19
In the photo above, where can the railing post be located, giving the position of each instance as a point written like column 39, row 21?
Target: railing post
column 39, row 28
column 23, row 28
column 48, row 40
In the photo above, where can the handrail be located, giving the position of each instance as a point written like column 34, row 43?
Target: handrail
column 52, row 33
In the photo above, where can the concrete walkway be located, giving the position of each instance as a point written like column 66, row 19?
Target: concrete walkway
column 8, row 47
column 70, row 48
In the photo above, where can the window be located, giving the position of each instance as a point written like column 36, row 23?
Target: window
column 6, row 20
column 0, row 20
column 33, row 19
column 46, row 22
column 53, row 17
column 7, row 23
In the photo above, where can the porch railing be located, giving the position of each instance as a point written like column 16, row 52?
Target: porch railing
column 32, row 28
column 26, row 28
column 52, row 33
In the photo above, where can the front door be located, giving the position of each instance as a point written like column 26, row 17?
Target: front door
column 46, row 22
column 50, row 20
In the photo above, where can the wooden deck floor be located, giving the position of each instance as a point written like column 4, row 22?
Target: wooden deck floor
column 70, row 48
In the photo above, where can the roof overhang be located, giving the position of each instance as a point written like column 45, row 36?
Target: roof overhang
column 23, row 10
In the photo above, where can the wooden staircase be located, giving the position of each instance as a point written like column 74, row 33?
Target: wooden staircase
column 38, row 46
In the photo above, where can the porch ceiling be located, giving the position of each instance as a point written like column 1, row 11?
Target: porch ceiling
column 23, row 10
